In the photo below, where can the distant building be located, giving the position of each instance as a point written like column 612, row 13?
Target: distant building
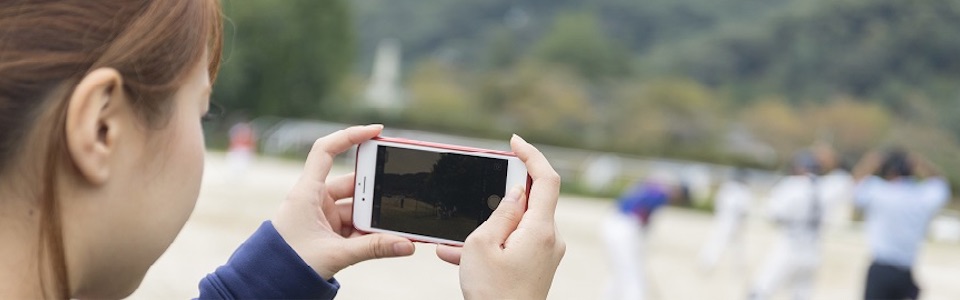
column 383, row 92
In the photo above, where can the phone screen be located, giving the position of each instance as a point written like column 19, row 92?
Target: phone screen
column 444, row 195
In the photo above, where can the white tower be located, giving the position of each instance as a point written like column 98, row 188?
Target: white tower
column 383, row 92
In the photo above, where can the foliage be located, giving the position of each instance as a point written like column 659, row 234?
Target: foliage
column 284, row 58
column 850, row 125
column 665, row 114
column 777, row 123
column 673, row 78
column 880, row 49
column 576, row 40
column 547, row 103
column 438, row 98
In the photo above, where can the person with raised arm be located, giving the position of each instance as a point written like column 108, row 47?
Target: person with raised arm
column 899, row 193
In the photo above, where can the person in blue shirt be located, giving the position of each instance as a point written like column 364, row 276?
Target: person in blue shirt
column 643, row 199
column 624, row 233
column 101, row 158
column 899, row 194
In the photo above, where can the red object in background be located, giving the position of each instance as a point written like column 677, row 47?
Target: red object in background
column 242, row 137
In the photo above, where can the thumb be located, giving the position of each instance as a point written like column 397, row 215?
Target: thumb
column 377, row 245
column 449, row 254
column 504, row 220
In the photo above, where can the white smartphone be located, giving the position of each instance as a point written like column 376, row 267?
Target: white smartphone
column 430, row 192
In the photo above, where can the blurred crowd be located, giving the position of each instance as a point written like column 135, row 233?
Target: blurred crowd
column 894, row 191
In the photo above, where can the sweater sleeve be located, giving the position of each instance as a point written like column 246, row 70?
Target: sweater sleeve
column 266, row 267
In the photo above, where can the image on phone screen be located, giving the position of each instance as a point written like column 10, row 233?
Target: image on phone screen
column 444, row 195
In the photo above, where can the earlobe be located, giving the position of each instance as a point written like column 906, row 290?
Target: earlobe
column 90, row 126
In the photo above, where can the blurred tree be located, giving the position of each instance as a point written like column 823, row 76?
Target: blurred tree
column 502, row 49
column 577, row 41
column 548, row 103
column 439, row 98
column 877, row 49
column 284, row 58
column 665, row 115
column 775, row 122
column 853, row 127
column 917, row 109
column 937, row 145
column 804, row 51
column 428, row 26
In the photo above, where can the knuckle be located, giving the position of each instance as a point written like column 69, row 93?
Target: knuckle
column 552, row 178
column 561, row 248
column 319, row 143
column 507, row 216
column 323, row 141
column 377, row 248
column 550, row 238
column 547, row 239
column 477, row 237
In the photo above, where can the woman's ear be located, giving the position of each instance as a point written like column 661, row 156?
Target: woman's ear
column 93, row 123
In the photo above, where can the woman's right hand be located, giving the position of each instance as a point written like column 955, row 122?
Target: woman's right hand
column 316, row 219
column 515, row 253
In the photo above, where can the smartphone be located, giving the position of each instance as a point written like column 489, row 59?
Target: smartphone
column 430, row 192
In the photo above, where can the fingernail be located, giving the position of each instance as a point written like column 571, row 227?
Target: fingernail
column 515, row 136
column 377, row 126
column 513, row 194
column 403, row 248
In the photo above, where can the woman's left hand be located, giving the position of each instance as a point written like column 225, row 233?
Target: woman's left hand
column 316, row 219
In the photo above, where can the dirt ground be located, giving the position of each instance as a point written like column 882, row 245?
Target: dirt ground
column 231, row 206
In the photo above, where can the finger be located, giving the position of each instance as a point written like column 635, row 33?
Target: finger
column 324, row 149
column 545, row 190
column 345, row 214
column 377, row 245
column 449, row 254
column 342, row 186
column 503, row 221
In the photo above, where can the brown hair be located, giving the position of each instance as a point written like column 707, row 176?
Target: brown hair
column 46, row 47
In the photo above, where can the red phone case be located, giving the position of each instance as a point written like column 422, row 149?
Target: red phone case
column 441, row 146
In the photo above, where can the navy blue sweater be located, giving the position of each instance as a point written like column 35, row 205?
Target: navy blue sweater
column 265, row 267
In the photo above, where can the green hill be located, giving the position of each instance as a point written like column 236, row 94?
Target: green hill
column 805, row 51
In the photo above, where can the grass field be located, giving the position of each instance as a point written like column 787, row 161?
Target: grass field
column 232, row 206
column 419, row 217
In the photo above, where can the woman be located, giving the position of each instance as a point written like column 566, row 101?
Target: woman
column 101, row 156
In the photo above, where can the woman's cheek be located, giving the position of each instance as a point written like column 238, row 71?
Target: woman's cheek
column 195, row 151
column 189, row 155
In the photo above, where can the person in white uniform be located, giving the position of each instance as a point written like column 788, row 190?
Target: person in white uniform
column 837, row 184
column 732, row 203
column 796, row 204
